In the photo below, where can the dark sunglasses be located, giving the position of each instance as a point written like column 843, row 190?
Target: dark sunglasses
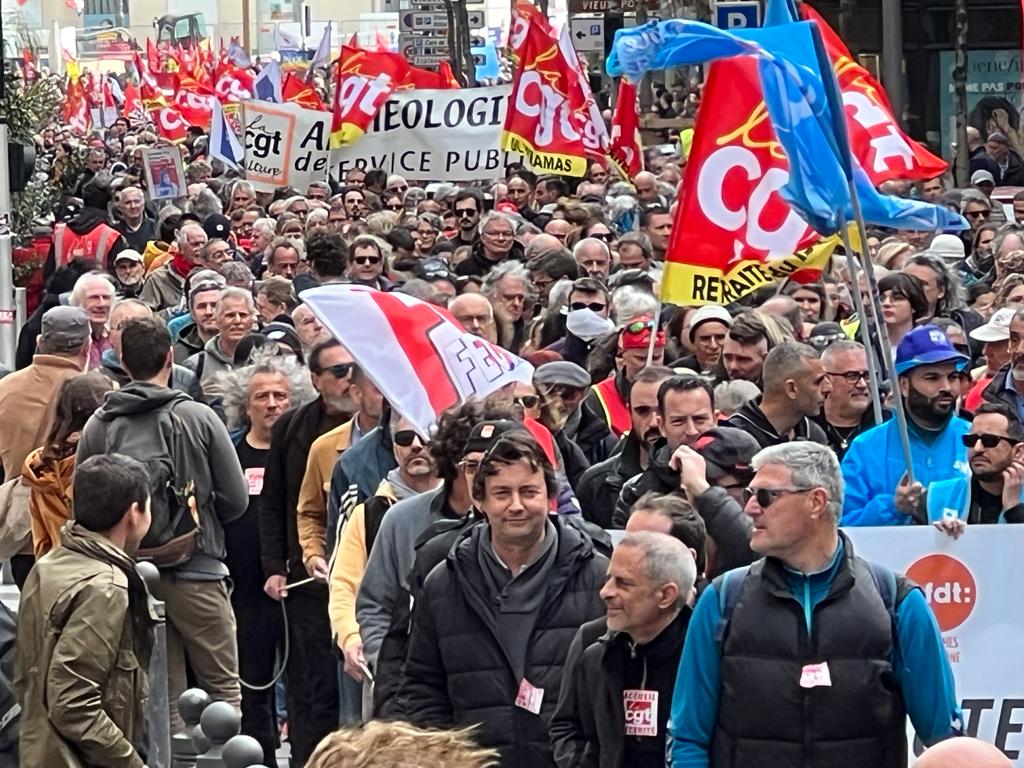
column 465, row 213
column 365, row 260
column 594, row 305
column 987, row 441
column 339, row 371
column 976, row 214
column 405, row 437
column 527, row 401
column 852, row 377
column 399, row 207
column 768, row 496
column 606, row 236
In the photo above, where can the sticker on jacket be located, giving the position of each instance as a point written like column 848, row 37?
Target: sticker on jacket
column 641, row 712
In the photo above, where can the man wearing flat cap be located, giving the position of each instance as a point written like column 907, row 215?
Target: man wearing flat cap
column 62, row 351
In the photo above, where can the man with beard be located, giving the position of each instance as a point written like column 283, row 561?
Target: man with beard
column 414, row 475
column 678, row 464
column 992, row 494
column 202, row 308
column 600, row 485
column 847, row 410
column 313, row 683
column 878, row 489
column 795, row 388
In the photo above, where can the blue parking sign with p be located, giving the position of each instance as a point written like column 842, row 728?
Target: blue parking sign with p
column 739, row 14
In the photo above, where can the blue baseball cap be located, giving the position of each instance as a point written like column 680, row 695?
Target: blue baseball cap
column 927, row 345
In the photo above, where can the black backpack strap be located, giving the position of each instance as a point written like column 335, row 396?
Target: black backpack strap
column 374, row 510
column 728, row 587
column 892, row 589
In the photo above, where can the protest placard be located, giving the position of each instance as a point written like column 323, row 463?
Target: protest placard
column 285, row 145
column 165, row 173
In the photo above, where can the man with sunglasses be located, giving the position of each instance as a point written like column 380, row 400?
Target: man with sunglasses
column 312, row 672
column 586, row 320
column 796, row 655
column 467, row 207
column 992, row 494
column 366, row 263
column 847, row 411
column 608, row 398
column 878, row 490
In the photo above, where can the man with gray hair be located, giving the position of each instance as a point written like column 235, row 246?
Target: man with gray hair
column 26, row 396
column 795, row 388
column 181, row 379
column 648, row 593
column 496, row 244
column 594, row 256
column 165, row 285
column 802, row 653
column 235, row 316
column 94, row 292
column 508, row 287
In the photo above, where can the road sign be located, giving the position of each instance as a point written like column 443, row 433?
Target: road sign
column 427, row 61
column 420, row 46
column 587, row 33
column 421, row 21
column 738, row 14
column 614, row 6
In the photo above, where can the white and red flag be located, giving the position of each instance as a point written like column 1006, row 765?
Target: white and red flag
column 419, row 356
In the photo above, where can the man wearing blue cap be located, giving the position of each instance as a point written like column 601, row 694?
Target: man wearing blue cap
column 877, row 488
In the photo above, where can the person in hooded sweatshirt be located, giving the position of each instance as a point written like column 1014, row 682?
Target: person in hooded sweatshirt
column 194, row 466
column 48, row 470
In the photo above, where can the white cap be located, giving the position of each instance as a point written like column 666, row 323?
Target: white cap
column 997, row 328
column 947, row 247
column 707, row 313
column 982, row 176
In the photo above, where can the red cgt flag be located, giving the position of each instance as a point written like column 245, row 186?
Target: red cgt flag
column 733, row 232
column 234, row 84
column 195, row 102
column 365, row 81
column 296, row 90
column 884, row 151
column 551, row 117
column 170, row 123
column 625, row 148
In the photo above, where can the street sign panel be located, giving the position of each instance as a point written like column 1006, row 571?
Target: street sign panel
column 737, row 14
column 587, row 34
column 427, row 61
column 422, row 21
column 604, row 6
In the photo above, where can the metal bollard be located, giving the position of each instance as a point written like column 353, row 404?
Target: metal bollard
column 242, row 752
column 220, row 722
column 158, row 719
column 191, row 704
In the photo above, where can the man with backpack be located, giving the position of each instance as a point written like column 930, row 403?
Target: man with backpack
column 799, row 658
column 196, row 486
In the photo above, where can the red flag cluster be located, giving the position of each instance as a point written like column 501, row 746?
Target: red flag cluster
column 552, row 118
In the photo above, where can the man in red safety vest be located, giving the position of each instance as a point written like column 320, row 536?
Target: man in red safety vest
column 610, row 398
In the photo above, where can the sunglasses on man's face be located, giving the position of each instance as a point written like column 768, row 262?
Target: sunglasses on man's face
column 339, row 371
column 366, row 260
column 767, row 496
column 595, row 306
column 527, row 401
column 606, row 236
column 465, row 213
column 405, row 437
column 987, row 440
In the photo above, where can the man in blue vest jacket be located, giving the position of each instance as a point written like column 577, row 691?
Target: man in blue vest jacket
column 875, row 467
column 798, row 659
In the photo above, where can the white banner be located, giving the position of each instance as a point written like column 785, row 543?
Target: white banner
column 285, row 145
column 975, row 587
column 428, row 135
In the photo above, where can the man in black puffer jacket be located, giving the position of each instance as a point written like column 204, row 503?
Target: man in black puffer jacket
column 492, row 626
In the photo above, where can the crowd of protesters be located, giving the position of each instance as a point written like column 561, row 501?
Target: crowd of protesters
column 176, row 400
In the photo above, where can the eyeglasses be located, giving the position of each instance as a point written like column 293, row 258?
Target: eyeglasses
column 987, row 440
column 465, row 213
column 852, row 377
column 596, row 306
column 500, row 235
column 470, row 465
column 395, row 190
column 527, row 401
column 339, row 371
column 606, row 236
column 405, row 438
column 639, row 326
column 978, row 214
column 366, row 260
column 398, row 207
column 768, row 496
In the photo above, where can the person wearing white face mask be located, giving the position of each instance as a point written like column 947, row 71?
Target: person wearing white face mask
column 586, row 320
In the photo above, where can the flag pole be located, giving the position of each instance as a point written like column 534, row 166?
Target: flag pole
column 883, row 336
column 865, row 331
column 656, row 320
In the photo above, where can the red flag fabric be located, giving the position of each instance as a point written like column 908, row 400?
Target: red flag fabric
column 551, row 113
column 420, row 357
column 170, row 123
column 195, row 102
column 296, row 90
column 733, row 232
column 625, row 148
column 365, row 81
column 133, row 108
column 75, row 112
column 234, row 84
column 152, row 56
column 884, row 151
column 444, row 69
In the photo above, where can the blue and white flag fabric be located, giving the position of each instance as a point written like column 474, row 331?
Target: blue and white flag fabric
column 800, row 106
column 224, row 145
column 238, row 56
column 267, row 85
column 322, row 54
